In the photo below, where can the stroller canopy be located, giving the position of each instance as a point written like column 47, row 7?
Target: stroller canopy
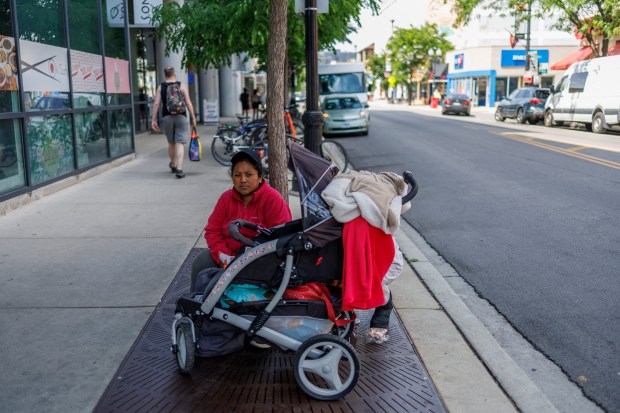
column 313, row 174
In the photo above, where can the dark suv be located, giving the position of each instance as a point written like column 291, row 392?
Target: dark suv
column 525, row 105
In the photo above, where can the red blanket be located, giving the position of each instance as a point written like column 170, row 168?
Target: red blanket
column 368, row 253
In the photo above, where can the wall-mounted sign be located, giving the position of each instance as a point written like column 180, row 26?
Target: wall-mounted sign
column 86, row 72
column 143, row 12
column 44, row 68
column 117, row 75
column 516, row 58
column 459, row 60
column 8, row 64
column 115, row 13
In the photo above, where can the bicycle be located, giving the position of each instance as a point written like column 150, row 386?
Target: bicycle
column 230, row 139
column 292, row 124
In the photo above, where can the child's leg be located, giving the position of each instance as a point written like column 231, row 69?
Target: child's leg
column 381, row 317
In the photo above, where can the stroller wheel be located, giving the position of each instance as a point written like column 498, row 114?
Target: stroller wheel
column 345, row 331
column 186, row 351
column 326, row 367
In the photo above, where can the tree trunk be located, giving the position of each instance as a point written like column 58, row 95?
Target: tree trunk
column 276, row 74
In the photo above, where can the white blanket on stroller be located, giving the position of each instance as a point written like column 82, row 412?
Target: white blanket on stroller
column 377, row 197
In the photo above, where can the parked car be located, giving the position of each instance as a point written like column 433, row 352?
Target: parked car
column 455, row 103
column 344, row 114
column 588, row 93
column 525, row 105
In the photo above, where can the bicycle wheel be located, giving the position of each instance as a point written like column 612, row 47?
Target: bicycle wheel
column 223, row 146
column 333, row 151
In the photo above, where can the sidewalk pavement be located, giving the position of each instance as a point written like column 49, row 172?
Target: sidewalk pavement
column 83, row 268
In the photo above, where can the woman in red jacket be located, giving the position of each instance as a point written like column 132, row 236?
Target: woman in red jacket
column 250, row 199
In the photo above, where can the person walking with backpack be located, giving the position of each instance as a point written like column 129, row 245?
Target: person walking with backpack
column 174, row 123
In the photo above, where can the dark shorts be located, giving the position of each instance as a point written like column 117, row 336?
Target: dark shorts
column 255, row 105
column 245, row 106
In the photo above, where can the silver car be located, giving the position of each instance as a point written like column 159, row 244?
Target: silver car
column 344, row 115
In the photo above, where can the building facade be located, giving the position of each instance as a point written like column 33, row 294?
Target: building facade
column 486, row 66
column 65, row 90
column 77, row 82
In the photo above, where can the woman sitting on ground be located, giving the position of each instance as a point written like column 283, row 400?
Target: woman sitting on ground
column 250, row 199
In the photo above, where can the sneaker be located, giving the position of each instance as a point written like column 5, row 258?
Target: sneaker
column 173, row 169
column 180, row 174
column 377, row 335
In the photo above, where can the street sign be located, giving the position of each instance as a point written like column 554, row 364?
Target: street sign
column 322, row 6
column 543, row 68
column 527, row 77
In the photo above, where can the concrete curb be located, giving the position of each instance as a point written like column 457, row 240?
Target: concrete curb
column 519, row 387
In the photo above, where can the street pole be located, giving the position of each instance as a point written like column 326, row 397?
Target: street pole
column 313, row 117
column 527, row 38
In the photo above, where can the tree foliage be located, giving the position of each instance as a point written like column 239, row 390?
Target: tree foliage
column 376, row 67
column 597, row 20
column 210, row 32
column 409, row 51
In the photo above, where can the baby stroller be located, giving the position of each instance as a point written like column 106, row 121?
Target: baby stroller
column 303, row 251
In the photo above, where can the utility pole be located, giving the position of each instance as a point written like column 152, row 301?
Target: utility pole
column 313, row 117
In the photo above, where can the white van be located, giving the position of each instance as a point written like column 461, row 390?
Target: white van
column 588, row 93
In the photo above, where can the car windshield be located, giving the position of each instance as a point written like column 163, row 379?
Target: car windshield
column 342, row 103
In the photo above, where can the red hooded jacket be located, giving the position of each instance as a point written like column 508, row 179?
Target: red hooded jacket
column 267, row 209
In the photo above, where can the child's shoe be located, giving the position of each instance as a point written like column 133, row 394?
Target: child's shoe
column 377, row 335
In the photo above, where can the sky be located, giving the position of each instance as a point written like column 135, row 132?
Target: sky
column 377, row 29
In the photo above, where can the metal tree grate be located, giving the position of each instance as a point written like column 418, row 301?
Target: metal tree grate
column 392, row 378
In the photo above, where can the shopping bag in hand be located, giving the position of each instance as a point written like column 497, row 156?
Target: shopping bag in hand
column 195, row 148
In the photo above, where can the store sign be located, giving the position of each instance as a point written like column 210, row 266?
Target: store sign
column 116, row 13
column 459, row 60
column 143, row 12
column 516, row 58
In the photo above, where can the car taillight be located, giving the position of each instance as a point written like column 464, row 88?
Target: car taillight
column 447, row 101
column 535, row 101
column 466, row 102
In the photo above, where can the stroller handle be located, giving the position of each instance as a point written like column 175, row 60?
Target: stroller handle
column 408, row 177
column 233, row 229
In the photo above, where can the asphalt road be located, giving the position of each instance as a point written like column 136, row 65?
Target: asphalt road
column 532, row 228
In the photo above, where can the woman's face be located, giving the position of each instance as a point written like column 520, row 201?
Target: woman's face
column 245, row 178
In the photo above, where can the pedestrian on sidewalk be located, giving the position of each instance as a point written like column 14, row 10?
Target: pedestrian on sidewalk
column 174, row 121
column 245, row 102
column 255, row 104
column 251, row 199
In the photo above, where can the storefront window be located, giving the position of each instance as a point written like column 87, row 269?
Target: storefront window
column 91, row 142
column 115, row 46
column 43, row 55
column 86, row 59
column 120, row 132
column 9, row 96
column 50, row 147
column 11, row 156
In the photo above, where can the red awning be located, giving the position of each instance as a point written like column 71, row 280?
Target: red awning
column 614, row 50
column 581, row 54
